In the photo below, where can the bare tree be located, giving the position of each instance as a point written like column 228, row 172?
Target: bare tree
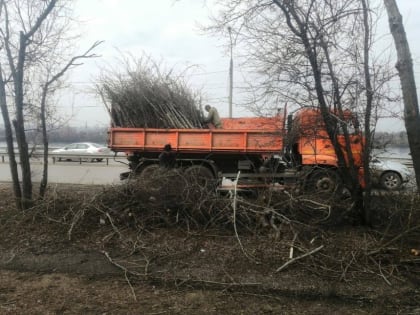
column 408, row 84
column 16, row 44
column 47, row 89
column 31, row 33
column 312, row 53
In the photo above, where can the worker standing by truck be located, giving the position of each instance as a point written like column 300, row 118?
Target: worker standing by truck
column 167, row 158
column 213, row 117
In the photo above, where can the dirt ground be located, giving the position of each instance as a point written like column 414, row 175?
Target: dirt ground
column 50, row 265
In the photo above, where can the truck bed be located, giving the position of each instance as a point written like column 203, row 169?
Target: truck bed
column 239, row 135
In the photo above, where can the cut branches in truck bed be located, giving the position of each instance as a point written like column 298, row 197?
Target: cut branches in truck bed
column 145, row 94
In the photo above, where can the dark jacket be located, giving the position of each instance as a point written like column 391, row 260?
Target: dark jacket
column 167, row 159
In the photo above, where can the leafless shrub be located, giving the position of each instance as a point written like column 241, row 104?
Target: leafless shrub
column 147, row 94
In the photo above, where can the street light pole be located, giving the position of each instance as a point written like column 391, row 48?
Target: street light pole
column 230, row 73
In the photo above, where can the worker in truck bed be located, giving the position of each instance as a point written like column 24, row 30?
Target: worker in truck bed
column 213, row 117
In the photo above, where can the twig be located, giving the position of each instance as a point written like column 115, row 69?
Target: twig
column 11, row 258
column 292, row 246
column 234, row 203
column 76, row 218
column 417, row 227
column 380, row 271
column 112, row 223
column 126, row 271
column 343, row 274
column 299, row 257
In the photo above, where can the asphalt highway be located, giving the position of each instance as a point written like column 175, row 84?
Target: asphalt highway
column 97, row 173
column 92, row 173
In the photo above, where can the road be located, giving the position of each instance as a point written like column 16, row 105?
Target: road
column 97, row 173
column 88, row 173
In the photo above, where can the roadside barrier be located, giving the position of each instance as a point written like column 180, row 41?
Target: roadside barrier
column 65, row 157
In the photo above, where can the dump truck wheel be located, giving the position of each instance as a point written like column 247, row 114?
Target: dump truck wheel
column 324, row 181
column 201, row 175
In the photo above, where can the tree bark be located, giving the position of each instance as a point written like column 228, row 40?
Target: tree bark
column 368, row 113
column 43, row 117
column 9, row 141
column 19, row 126
column 408, row 85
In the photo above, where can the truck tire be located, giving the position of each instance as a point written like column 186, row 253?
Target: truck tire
column 324, row 181
column 199, row 174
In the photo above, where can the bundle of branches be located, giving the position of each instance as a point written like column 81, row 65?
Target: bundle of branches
column 147, row 95
column 156, row 202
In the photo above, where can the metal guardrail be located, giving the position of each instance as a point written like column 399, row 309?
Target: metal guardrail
column 56, row 157
column 78, row 157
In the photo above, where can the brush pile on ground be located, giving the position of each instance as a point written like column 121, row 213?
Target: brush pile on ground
column 146, row 95
column 315, row 230
column 182, row 236
column 169, row 198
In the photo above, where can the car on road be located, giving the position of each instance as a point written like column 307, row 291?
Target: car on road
column 81, row 149
column 388, row 174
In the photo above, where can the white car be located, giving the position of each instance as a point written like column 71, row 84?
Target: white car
column 388, row 174
column 81, row 149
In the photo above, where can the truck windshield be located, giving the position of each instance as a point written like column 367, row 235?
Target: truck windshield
column 352, row 127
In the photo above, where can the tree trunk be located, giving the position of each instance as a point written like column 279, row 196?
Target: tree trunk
column 9, row 140
column 44, row 180
column 408, row 84
column 366, row 215
column 19, row 126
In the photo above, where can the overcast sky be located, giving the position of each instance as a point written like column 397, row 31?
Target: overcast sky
column 168, row 30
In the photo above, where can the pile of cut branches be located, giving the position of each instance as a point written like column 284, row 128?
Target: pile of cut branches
column 301, row 226
column 147, row 95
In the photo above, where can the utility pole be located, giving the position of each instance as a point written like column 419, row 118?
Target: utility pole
column 230, row 73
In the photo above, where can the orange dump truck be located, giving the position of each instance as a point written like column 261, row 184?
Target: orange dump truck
column 264, row 149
